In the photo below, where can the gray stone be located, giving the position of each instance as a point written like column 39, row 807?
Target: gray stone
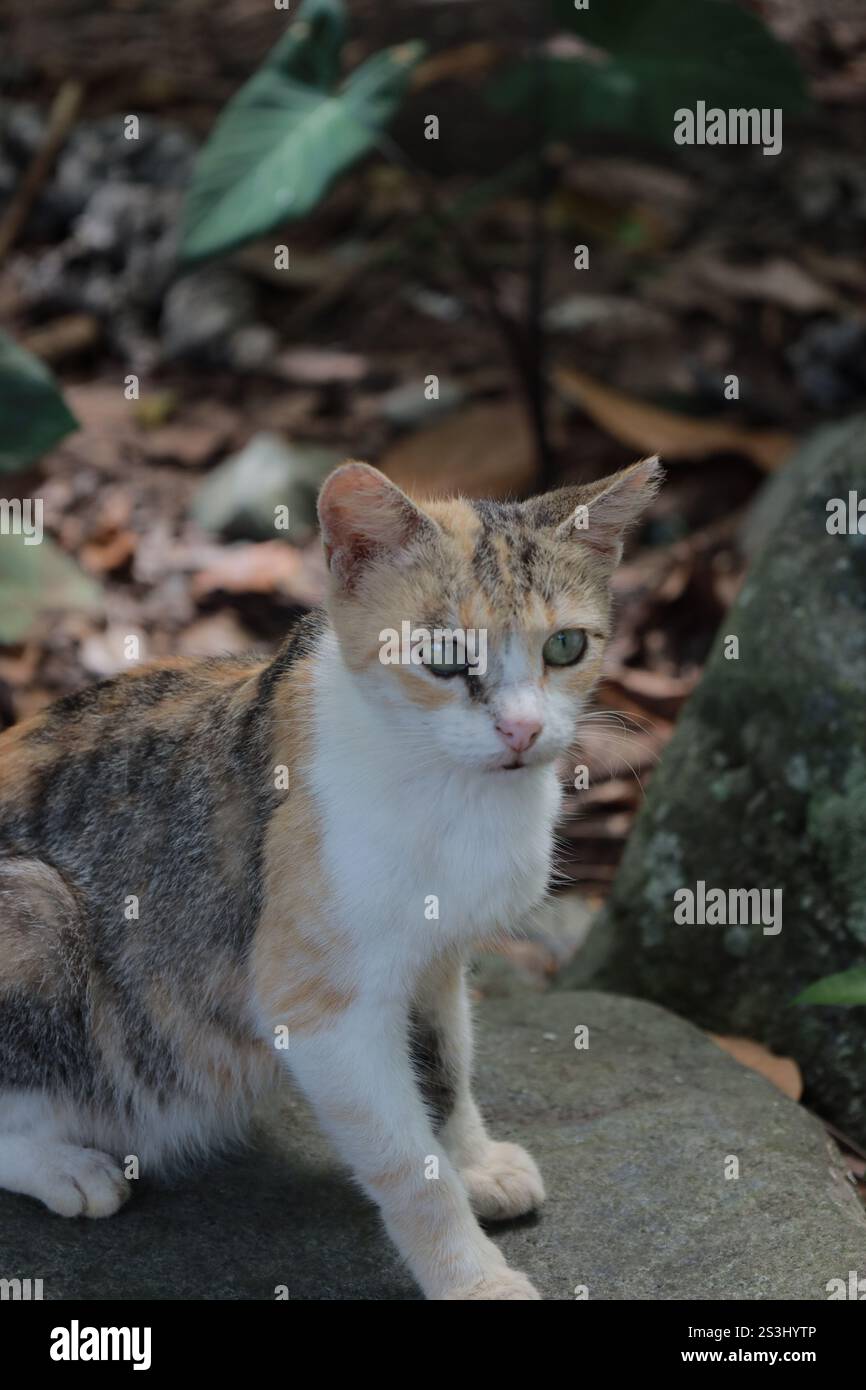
column 632, row 1135
column 764, row 786
column 238, row 498
column 408, row 403
column 203, row 309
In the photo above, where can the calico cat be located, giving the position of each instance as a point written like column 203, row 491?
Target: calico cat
column 215, row 871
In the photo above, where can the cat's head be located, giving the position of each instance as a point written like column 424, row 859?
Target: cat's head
column 523, row 587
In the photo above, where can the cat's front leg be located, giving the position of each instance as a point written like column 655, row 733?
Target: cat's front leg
column 357, row 1073
column 502, row 1180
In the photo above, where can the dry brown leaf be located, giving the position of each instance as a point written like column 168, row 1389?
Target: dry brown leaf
column 311, row 366
column 782, row 1071
column 653, row 430
column 483, row 451
column 604, row 827
column 777, row 280
column 63, row 337
column 467, row 60
column 653, row 685
column 610, row 793
column 189, row 444
column 108, row 554
column 262, row 567
column 216, row 635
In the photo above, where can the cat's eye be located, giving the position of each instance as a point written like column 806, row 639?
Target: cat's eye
column 446, row 669
column 565, row 648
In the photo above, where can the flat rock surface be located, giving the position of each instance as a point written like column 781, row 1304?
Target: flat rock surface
column 633, row 1135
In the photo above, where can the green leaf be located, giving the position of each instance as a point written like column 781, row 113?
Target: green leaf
column 35, row 579
column 285, row 136
column 654, row 57
column 33, row 416
column 847, row 988
column 311, row 46
column 578, row 95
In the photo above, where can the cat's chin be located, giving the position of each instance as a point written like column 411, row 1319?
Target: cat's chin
column 516, row 765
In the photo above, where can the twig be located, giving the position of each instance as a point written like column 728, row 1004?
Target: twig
column 512, row 333
column 63, row 337
column 63, row 114
column 839, row 1135
column 535, row 329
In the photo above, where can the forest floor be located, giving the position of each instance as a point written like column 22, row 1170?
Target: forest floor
column 699, row 269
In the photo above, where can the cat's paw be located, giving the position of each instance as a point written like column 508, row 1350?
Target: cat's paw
column 504, row 1183
column 505, row 1285
column 81, row 1182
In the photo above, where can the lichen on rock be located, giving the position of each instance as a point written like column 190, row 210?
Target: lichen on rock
column 764, row 786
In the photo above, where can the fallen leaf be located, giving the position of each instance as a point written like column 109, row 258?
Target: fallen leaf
column 261, row 567
column 39, row 579
column 653, row 686
column 651, row 430
column 775, row 281
column 782, row 1071
column 605, row 827
column 191, row 445
column 111, row 554
column 466, row 60
column 219, row 634
column 610, row 793
column 154, row 410
column 848, row 271
column 484, row 451
column 63, row 337
column 320, row 366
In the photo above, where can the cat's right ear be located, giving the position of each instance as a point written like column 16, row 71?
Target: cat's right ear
column 363, row 517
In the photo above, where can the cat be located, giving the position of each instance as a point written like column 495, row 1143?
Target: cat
column 213, row 872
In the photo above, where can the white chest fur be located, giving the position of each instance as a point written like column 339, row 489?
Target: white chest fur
column 420, row 855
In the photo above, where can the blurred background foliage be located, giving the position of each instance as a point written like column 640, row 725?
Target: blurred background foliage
column 165, row 379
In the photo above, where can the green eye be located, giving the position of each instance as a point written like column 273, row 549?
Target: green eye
column 565, row 648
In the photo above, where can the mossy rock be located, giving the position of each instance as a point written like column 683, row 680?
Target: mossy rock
column 764, row 786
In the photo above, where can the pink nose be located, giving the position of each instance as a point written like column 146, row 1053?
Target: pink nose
column 519, row 734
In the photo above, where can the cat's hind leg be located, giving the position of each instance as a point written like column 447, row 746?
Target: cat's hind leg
column 38, row 1160
column 45, row 1047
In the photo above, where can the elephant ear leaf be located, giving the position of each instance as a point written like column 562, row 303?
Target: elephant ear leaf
column 33, row 415
column 288, row 133
column 644, row 60
column 310, row 48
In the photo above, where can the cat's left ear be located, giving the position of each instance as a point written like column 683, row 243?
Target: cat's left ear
column 599, row 514
column 365, row 517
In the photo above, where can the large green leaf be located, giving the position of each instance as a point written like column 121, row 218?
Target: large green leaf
column 38, row 579
column 285, row 136
column 849, row 987
column 33, row 415
column 654, row 57
column 311, row 46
